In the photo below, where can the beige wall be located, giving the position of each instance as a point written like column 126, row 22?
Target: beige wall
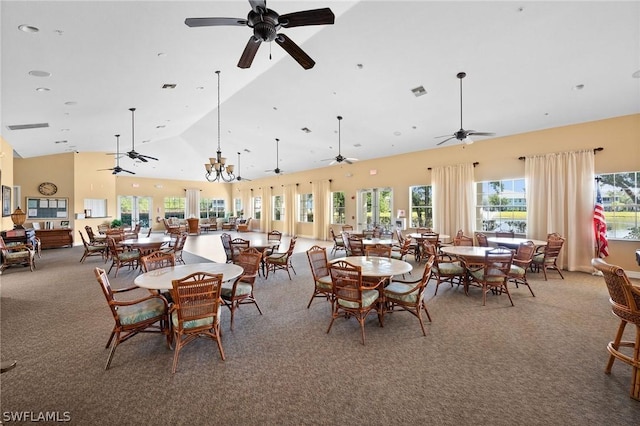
column 497, row 158
column 6, row 177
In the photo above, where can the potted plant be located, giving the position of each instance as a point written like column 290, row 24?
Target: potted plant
column 116, row 223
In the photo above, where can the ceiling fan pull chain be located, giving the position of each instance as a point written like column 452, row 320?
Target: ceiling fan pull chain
column 269, row 51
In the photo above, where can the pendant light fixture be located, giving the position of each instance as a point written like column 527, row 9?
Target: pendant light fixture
column 216, row 169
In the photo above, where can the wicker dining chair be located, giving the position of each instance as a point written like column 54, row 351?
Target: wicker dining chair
column 505, row 234
column 195, row 311
column 317, row 257
column 409, row 295
column 625, row 304
column 493, row 273
column 277, row 261
column 378, row 250
column 521, row 262
column 481, row 239
column 352, row 298
column 240, row 291
column 92, row 249
column 547, row 257
column 444, row 269
column 141, row 315
column 16, row 255
column 338, row 242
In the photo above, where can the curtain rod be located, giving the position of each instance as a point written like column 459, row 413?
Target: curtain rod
column 474, row 164
column 595, row 151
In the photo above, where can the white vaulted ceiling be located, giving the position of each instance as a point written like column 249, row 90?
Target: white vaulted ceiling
column 524, row 63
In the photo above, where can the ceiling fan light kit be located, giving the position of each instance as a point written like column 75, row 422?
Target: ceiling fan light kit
column 265, row 24
column 217, row 169
column 463, row 135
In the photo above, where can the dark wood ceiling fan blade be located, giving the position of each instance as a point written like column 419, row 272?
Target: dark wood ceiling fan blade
column 123, row 170
column 145, row 157
column 256, row 5
column 446, row 140
column 215, row 22
column 307, row 17
column 249, row 52
column 473, row 132
column 294, row 50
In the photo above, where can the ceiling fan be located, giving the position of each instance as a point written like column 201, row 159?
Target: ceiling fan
column 239, row 178
column 266, row 23
column 133, row 154
column 463, row 135
column 277, row 170
column 117, row 169
column 340, row 158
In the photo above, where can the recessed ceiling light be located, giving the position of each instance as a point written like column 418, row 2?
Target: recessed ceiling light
column 28, row 28
column 42, row 89
column 396, row 133
column 359, row 66
column 36, row 73
column 636, row 74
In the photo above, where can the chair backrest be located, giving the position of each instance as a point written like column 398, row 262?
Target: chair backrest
column 482, row 239
column 505, row 234
column 345, row 238
column 460, row 233
column 426, row 275
column 156, row 260
column 292, row 245
column 249, row 259
column 368, row 233
column 432, row 237
column 356, row 245
column 103, row 228
column 226, row 244
column 346, row 280
column 553, row 247
column 197, row 297
column 237, row 245
column 424, row 230
column 116, row 234
column 274, row 236
column 84, row 241
column 463, row 241
column 181, row 239
column 431, row 250
column 334, row 236
column 524, row 254
column 347, row 227
column 497, row 264
column 399, row 235
column 103, row 280
column 378, row 250
column 90, row 233
column 623, row 295
column 318, row 262
column 405, row 247
column 113, row 248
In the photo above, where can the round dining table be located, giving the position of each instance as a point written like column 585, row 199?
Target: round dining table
column 381, row 241
column 160, row 279
column 514, row 242
column 146, row 245
column 373, row 266
column 471, row 254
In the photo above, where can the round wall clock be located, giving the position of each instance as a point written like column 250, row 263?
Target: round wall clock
column 47, row 188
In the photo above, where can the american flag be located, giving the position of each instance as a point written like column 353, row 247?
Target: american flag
column 600, row 227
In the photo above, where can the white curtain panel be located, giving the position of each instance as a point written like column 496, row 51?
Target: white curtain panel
column 290, row 209
column 321, row 192
column 560, row 198
column 193, row 203
column 247, row 207
column 266, row 215
column 453, row 199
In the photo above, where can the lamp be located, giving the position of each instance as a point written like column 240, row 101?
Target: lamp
column 216, row 169
column 18, row 217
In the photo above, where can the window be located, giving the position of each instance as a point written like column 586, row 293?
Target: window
column 278, row 208
column 211, row 208
column 421, row 206
column 257, row 207
column 338, row 208
column 174, row 207
column 620, row 198
column 306, row 207
column 501, row 206
column 238, row 207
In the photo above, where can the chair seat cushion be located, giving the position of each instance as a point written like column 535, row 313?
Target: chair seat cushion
column 392, row 289
column 242, row 289
column 15, row 255
column 324, row 282
column 142, row 311
column 194, row 323
column 479, row 276
column 397, row 255
column 129, row 255
column 368, row 298
column 277, row 259
column 447, row 268
column 517, row 271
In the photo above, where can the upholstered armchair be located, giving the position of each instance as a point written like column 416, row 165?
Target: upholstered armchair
column 17, row 255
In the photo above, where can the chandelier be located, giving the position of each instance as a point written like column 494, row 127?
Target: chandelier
column 216, row 169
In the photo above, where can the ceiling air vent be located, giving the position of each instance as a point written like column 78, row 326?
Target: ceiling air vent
column 27, row 126
column 419, row 91
column 169, row 86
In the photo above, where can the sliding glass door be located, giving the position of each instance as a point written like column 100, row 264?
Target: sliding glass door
column 133, row 210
